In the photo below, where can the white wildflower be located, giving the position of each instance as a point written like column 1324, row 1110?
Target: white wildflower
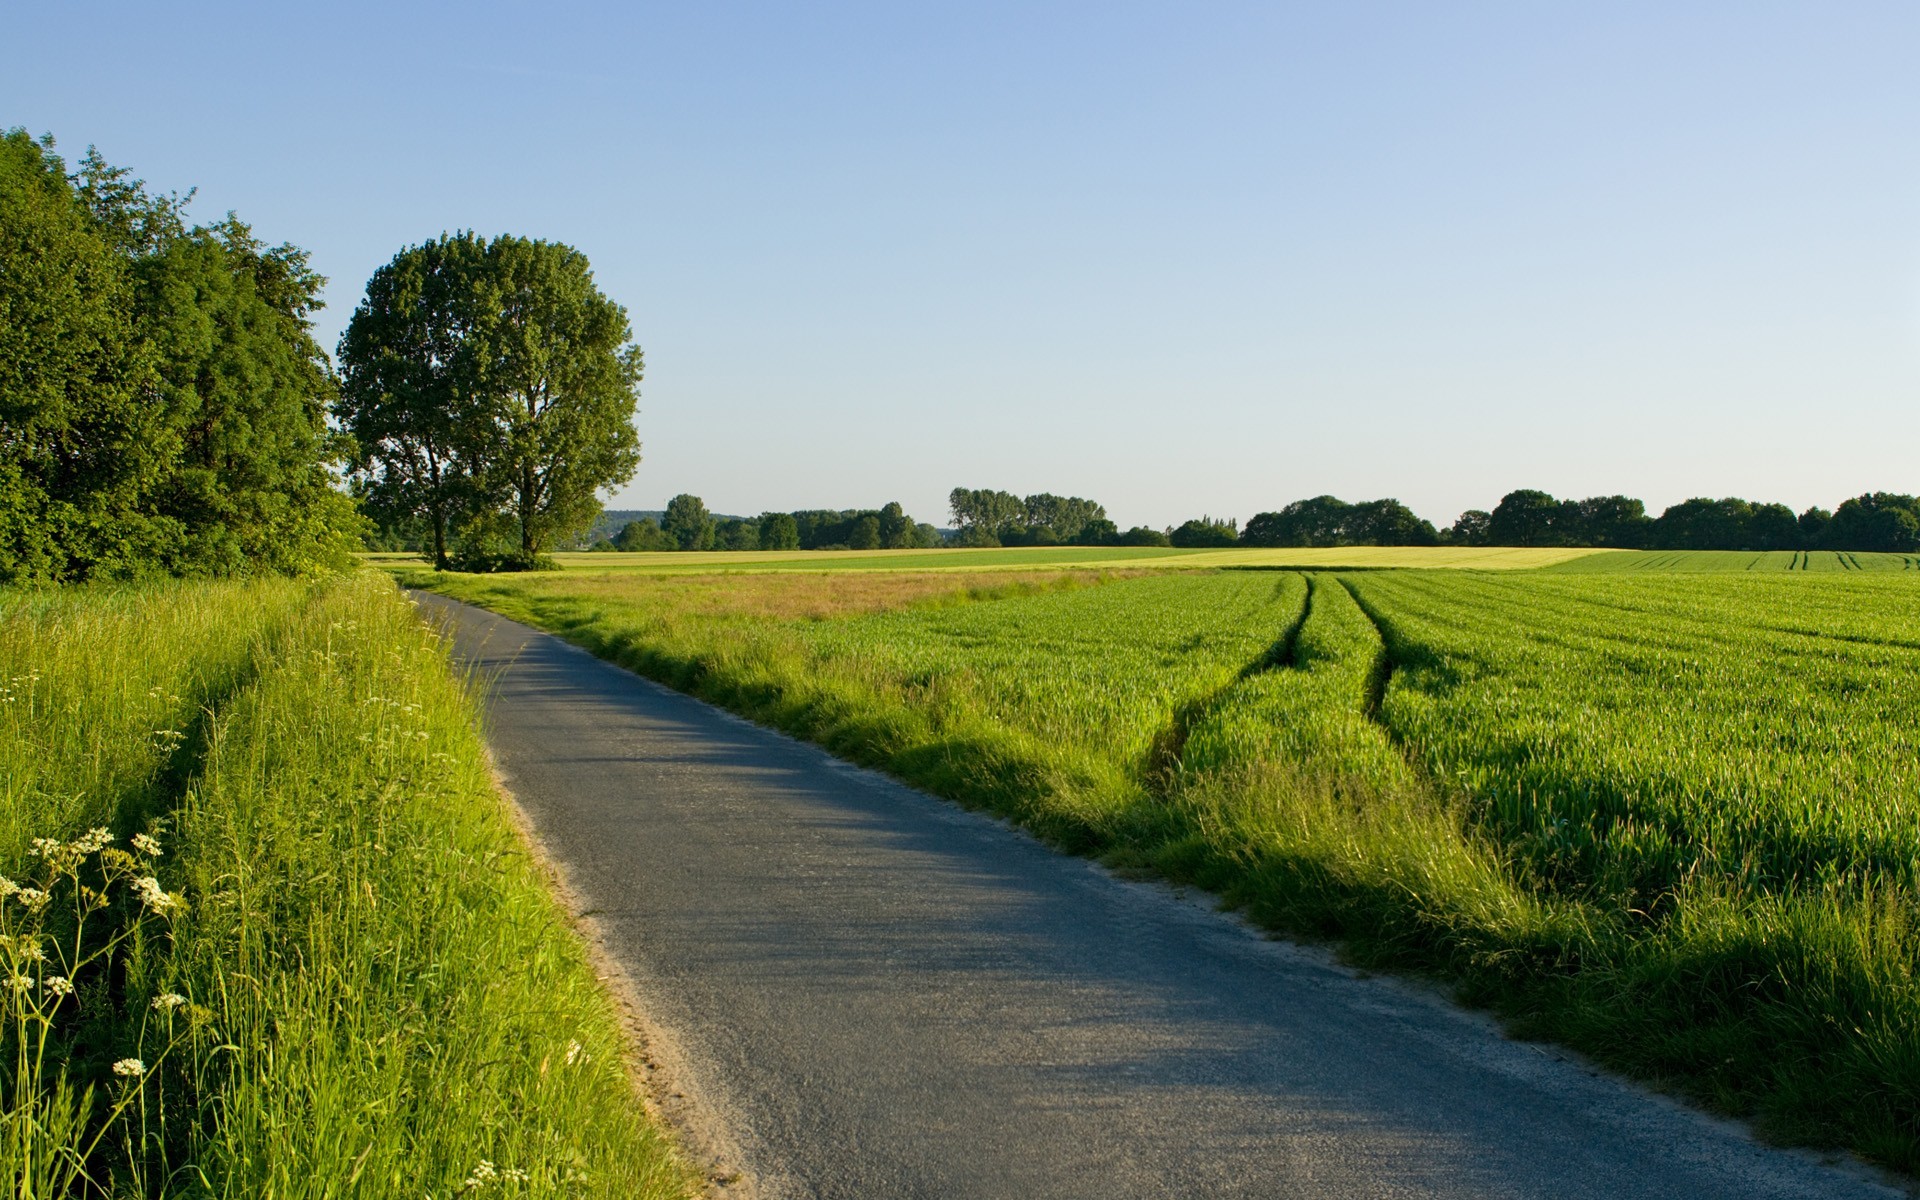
column 59, row 985
column 45, row 847
column 514, row 1174
column 146, row 845
column 33, row 898
column 93, row 841
column 8, row 887
column 130, row 1068
column 167, row 1001
column 20, row 983
column 153, row 896
column 32, row 950
column 574, row 1050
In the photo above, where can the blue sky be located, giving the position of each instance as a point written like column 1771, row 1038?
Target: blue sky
column 1178, row 258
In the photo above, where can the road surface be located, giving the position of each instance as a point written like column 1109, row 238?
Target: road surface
column 867, row 992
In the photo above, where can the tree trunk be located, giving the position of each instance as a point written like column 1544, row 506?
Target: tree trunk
column 528, row 548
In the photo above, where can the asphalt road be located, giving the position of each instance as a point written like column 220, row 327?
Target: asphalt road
column 867, row 992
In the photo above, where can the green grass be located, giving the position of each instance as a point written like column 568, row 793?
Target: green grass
column 378, row 993
column 1739, row 560
column 1665, row 818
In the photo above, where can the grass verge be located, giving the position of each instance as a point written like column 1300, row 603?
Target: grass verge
column 343, row 974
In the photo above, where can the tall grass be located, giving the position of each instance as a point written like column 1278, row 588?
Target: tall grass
column 1661, row 819
column 361, row 986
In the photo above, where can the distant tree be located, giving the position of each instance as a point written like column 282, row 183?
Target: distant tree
column 1097, row 532
column 1268, row 529
column 865, row 534
column 688, row 523
column 1620, row 522
column 1705, row 524
column 1320, row 521
column 975, row 536
column 926, row 537
column 736, row 533
column 1772, row 527
column 994, row 513
column 896, row 527
column 779, row 532
column 1143, row 535
column 1813, row 527
column 1386, row 523
column 1064, row 516
column 1473, row 527
column 1524, row 518
column 1205, row 532
column 1876, row 521
column 644, row 534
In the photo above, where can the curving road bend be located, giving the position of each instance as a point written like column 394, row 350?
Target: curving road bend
column 872, row 993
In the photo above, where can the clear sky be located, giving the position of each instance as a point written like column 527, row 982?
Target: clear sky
column 1180, row 258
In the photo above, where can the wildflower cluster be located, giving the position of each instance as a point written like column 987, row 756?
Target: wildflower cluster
column 11, row 688
column 486, row 1175
column 58, row 939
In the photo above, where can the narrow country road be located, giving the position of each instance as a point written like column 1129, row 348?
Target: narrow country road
column 874, row 994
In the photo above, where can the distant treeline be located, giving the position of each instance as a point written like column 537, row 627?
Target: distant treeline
column 1877, row 521
column 687, row 525
column 1882, row 521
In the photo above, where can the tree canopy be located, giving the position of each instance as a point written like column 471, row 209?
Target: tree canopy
column 1331, row 521
column 986, row 517
column 491, row 389
column 163, row 400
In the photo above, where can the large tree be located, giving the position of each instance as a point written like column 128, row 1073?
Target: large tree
column 688, row 523
column 83, row 445
column 411, row 389
column 491, row 383
column 562, row 378
column 247, row 387
column 779, row 531
column 162, row 400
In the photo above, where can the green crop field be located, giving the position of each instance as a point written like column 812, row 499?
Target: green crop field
column 1666, row 817
column 1739, row 560
column 315, row 960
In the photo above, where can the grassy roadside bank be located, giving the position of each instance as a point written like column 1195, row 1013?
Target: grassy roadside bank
column 333, row 969
column 1250, row 733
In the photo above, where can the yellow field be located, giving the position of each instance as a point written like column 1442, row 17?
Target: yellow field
column 1047, row 558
